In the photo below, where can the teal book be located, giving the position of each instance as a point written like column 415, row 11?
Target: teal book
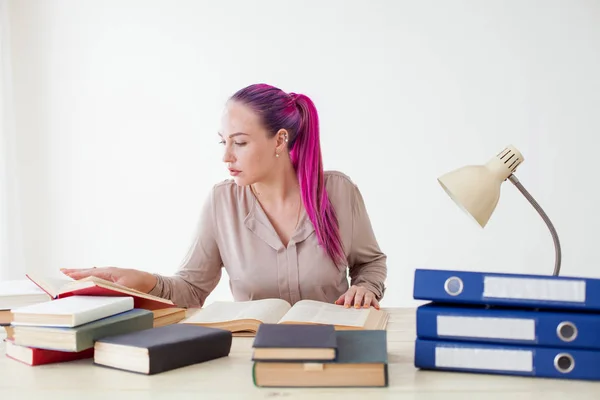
column 361, row 361
column 82, row 337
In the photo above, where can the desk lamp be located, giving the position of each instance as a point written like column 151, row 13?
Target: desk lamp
column 476, row 189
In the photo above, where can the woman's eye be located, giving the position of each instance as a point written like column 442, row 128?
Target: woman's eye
column 222, row 142
column 240, row 143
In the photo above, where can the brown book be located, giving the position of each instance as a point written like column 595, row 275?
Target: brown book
column 168, row 316
column 243, row 318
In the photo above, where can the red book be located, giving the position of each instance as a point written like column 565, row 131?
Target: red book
column 93, row 286
column 34, row 356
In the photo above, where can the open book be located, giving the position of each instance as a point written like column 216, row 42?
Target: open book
column 244, row 317
column 92, row 286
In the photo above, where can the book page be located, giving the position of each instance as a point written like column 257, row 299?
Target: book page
column 318, row 312
column 265, row 310
column 51, row 284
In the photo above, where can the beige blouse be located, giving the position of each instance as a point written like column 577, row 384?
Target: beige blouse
column 234, row 233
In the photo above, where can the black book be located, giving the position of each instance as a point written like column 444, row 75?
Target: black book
column 294, row 342
column 156, row 350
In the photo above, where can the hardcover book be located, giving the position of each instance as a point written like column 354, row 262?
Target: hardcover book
column 244, row 317
column 294, row 342
column 34, row 356
column 71, row 311
column 92, row 286
column 162, row 349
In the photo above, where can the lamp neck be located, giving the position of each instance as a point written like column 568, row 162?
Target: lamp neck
column 505, row 162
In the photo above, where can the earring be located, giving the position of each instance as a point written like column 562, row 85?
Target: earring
column 277, row 155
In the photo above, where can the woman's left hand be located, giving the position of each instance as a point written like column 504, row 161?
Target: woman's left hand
column 358, row 297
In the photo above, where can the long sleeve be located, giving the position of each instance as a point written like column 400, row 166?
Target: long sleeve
column 367, row 263
column 200, row 271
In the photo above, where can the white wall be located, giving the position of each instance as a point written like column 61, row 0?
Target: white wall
column 11, row 250
column 117, row 105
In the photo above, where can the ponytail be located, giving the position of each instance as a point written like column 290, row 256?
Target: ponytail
column 307, row 161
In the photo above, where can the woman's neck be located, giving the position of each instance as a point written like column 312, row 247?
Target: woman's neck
column 279, row 188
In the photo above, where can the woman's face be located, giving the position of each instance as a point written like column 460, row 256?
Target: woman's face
column 249, row 152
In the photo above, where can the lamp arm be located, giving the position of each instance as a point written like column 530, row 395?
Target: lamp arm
column 535, row 205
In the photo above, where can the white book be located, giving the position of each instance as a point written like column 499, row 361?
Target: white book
column 71, row 311
column 20, row 293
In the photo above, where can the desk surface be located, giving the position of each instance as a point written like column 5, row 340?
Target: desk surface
column 231, row 378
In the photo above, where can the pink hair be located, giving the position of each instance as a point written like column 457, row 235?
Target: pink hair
column 297, row 114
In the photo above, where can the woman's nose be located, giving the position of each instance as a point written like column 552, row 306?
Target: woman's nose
column 227, row 156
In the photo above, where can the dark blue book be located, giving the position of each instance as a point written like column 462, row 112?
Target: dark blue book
column 294, row 342
column 361, row 361
column 162, row 349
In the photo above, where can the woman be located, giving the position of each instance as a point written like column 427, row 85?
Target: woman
column 281, row 227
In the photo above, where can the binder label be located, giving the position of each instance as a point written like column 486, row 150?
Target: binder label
column 486, row 327
column 484, row 359
column 534, row 289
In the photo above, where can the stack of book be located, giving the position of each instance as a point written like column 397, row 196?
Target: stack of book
column 511, row 324
column 290, row 355
column 37, row 289
column 66, row 329
column 51, row 320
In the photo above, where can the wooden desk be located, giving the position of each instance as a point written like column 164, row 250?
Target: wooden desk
column 230, row 378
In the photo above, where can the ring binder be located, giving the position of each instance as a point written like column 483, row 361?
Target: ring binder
column 566, row 331
column 564, row 363
column 453, row 286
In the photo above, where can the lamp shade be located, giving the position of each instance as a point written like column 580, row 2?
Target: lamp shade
column 476, row 188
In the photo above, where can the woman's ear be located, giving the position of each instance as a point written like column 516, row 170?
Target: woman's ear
column 282, row 138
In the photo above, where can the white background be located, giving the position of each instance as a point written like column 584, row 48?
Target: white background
column 111, row 110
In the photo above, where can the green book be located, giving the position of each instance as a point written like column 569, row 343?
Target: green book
column 361, row 361
column 82, row 337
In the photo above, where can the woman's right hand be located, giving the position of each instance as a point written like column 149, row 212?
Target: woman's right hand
column 131, row 278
